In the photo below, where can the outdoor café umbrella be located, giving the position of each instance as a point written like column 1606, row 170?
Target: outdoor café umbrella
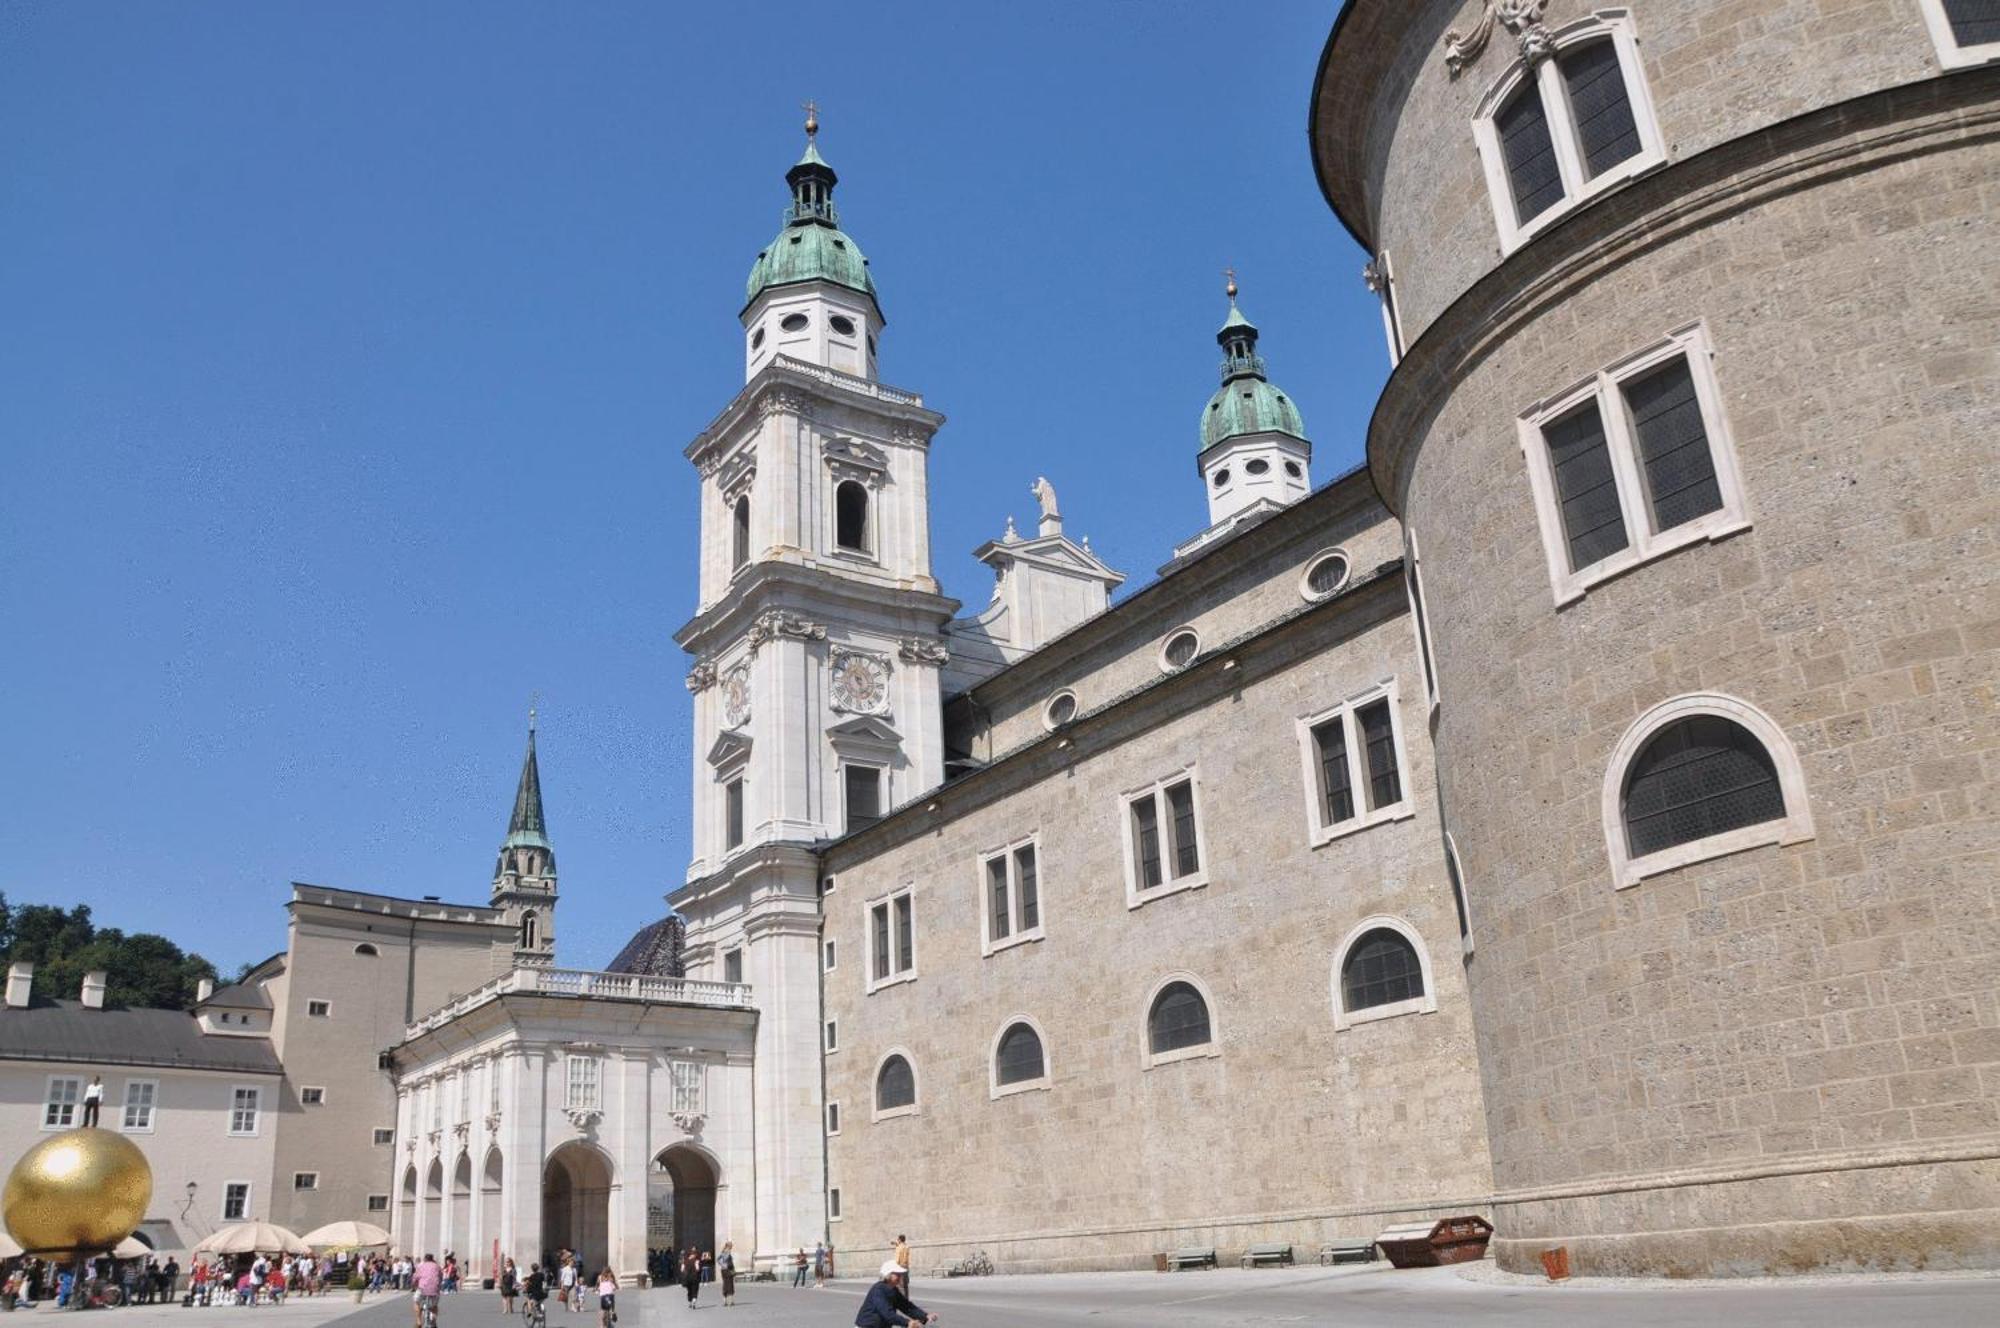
column 251, row 1238
column 347, row 1236
column 131, row 1248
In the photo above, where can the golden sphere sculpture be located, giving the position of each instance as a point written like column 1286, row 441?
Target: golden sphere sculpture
column 78, row 1192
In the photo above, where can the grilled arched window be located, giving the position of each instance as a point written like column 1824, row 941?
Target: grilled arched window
column 1178, row 1019
column 895, row 1085
column 1381, row 968
column 1699, row 776
column 850, row 516
column 1019, row 1059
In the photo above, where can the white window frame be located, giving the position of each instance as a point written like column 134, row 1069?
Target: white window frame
column 583, row 1081
column 50, row 1106
column 1652, row 154
column 304, row 1180
column 305, row 1101
column 1457, row 865
column 875, row 1112
column 249, row 1192
column 256, row 1092
column 1794, row 827
column 1306, row 592
column 687, row 1083
column 1420, row 616
column 319, row 1008
column 1137, row 895
column 1343, row 1018
column 988, row 946
column 1148, row 1058
column 1950, row 54
column 1185, row 629
column 830, row 1036
column 1049, row 720
column 833, row 1118
column 1643, row 543
column 378, row 1203
column 378, row 1141
column 830, row 957
column 872, row 983
column 151, row 1107
column 1381, row 276
column 833, row 1204
column 996, row 1090
column 1318, row 831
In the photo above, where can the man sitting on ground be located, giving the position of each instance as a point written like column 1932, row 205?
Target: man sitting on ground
column 887, row 1306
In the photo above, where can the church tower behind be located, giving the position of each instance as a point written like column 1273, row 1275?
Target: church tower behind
column 524, row 878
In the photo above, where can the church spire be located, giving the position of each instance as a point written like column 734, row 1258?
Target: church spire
column 524, row 878
column 526, row 827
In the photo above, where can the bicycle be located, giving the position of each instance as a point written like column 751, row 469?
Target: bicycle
column 975, row 1264
column 428, row 1311
column 533, row 1315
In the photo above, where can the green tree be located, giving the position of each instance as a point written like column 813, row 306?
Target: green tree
column 143, row 969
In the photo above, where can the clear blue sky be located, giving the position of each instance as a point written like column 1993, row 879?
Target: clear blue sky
column 347, row 353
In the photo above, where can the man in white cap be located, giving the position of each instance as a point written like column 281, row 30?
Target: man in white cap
column 887, row 1306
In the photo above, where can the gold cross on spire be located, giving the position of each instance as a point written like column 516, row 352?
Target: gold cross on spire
column 811, row 108
column 1229, row 289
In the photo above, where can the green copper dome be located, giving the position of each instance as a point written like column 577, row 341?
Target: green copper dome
column 1247, row 402
column 812, row 246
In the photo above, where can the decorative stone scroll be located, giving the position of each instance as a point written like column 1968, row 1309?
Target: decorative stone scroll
column 690, row 1122
column 1523, row 18
column 582, row 1118
column 916, row 650
column 852, row 459
column 701, row 677
column 775, row 623
column 493, row 1122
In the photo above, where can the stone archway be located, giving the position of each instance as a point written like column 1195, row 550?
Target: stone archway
column 406, row 1223
column 489, row 1214
column 433, row 1209
column 576, row 1203
column 692, row 1176
column 460, row 1225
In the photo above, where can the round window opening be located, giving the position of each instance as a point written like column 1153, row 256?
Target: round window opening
column 757, row 338
column 1292, row 469
column 1060, row 710
column 1257, row 467
column 1181, row 649
column 1221, row 479
column 1325, row 575
column 844, row 326
column 794, row 323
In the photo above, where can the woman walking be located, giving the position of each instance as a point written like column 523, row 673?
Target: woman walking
column 509, row 1285
column 691, row 1276
column 725, row 1265
column 607, row 1298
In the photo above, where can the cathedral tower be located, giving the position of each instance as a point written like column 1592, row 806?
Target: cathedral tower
column 524, row 879
column 1254, row 453
column 817, row 645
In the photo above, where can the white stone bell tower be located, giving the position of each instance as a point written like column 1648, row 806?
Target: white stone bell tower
column 817, row 645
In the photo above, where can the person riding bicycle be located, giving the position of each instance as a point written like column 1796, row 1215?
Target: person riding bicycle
column 535, row 1290
column 887, row 1306
column 428, row 1280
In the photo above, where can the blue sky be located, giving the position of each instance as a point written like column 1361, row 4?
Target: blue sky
column 348, row 352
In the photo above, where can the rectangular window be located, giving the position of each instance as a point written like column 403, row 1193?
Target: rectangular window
column 312, row 1097
column 892, row 939
column 833, row 1204
column 832, row 957
column 732, row 804
column 141, row 1096
column 1532, row 175
column 319, row 1009
column 235, row 1200
column 1967, row 32
column 383, row 1136
column 1606, row 133
column 732, row 965
column 1164, row 847
column 580, row 1092
column 999, row 900
column 59, row 1108
column 864, row 795
column 1028, row 888
column 378, row 1203
column 833, row 1118
column 1356, row 745
column 1631, row 464
column 243, row 1108
column 1012, row 887
column 832, row 1035
column 464, row 1094
column 305, row 1180
column 688, row 1087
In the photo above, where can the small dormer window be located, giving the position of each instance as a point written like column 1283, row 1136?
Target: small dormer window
column 842, row 325
column 794, row 323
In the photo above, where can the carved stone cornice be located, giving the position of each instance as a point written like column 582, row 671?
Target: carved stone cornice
column 701, row 677
column 493, row 1122
column 690, row 1122
column 1523, row 18
column 917, row 650
column 461, row 1131
column 774, row 623
column 780, row 402
column 583, row 1118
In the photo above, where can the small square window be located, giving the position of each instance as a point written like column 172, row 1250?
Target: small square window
column 378, row 1203
column 384, row 1136
column 305, row 1180
column 312, row 1097
column 319, row 1009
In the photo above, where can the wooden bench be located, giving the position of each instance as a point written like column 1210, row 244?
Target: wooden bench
column 1191, row 1258
column 1258, row 1255
column 1347, row 1251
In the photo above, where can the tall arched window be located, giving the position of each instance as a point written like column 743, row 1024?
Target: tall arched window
column 895, row 1085
column 1696, row 778
column 1178, row 1019
column 1018, row 1057
column 1380, row 970
column 740, row 533
column 850, row 516
column 528, row 930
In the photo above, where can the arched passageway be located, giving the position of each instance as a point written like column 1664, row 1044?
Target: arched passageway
column 432, row 1236
column 489, row 1214
column 681, row 1188
column 576, row 1203
column 459, row 1231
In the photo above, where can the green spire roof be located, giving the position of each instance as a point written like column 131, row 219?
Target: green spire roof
column 526, row 827
column 811, row 247
column 1247, row 402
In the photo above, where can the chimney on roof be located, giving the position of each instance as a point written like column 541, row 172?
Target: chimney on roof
column 20, row 984
column 204, row 989
column 93, row 989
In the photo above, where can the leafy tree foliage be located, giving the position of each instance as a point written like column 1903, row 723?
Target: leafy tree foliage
column 143, row 969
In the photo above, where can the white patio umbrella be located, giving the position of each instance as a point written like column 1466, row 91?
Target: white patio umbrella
column 131, row 1248
column 347, row 1236
column 251, row 1238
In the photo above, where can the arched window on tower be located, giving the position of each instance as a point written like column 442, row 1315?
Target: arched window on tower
column 740, row 534
column 528, row 930
column 850, row 516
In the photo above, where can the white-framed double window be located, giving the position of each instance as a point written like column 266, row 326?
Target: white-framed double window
column 689, row 1087
column 142, row 1100
column 235, row 1200
column 319, row 1009
column 891, row 923
column 1967, row 32
column 1165, row 850
column 1632, row 463
column 582, row 1089
column 378, row 1203
column 1556, row 132
column 59, row 1103
column 312, row 1096
column 1355, row 773
column 384, row 1135
column 1010, row 895
column 245, row 1109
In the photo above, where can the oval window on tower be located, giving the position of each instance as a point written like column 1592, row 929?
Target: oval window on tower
column 1257, row 467
column 842, row 325
column 1292, row 469
column 794, row 323
column 757, row 338
column 1221, row 479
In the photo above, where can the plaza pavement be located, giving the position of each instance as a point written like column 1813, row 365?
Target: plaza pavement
column 1351, row 1297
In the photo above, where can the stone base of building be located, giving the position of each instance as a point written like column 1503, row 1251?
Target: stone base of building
column 1904, row 1214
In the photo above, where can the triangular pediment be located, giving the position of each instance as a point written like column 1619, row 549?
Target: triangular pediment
column 870, row 731
column 729, row 749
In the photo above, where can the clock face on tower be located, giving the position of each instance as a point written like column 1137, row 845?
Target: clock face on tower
column 736, row 697
column 860, row 683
